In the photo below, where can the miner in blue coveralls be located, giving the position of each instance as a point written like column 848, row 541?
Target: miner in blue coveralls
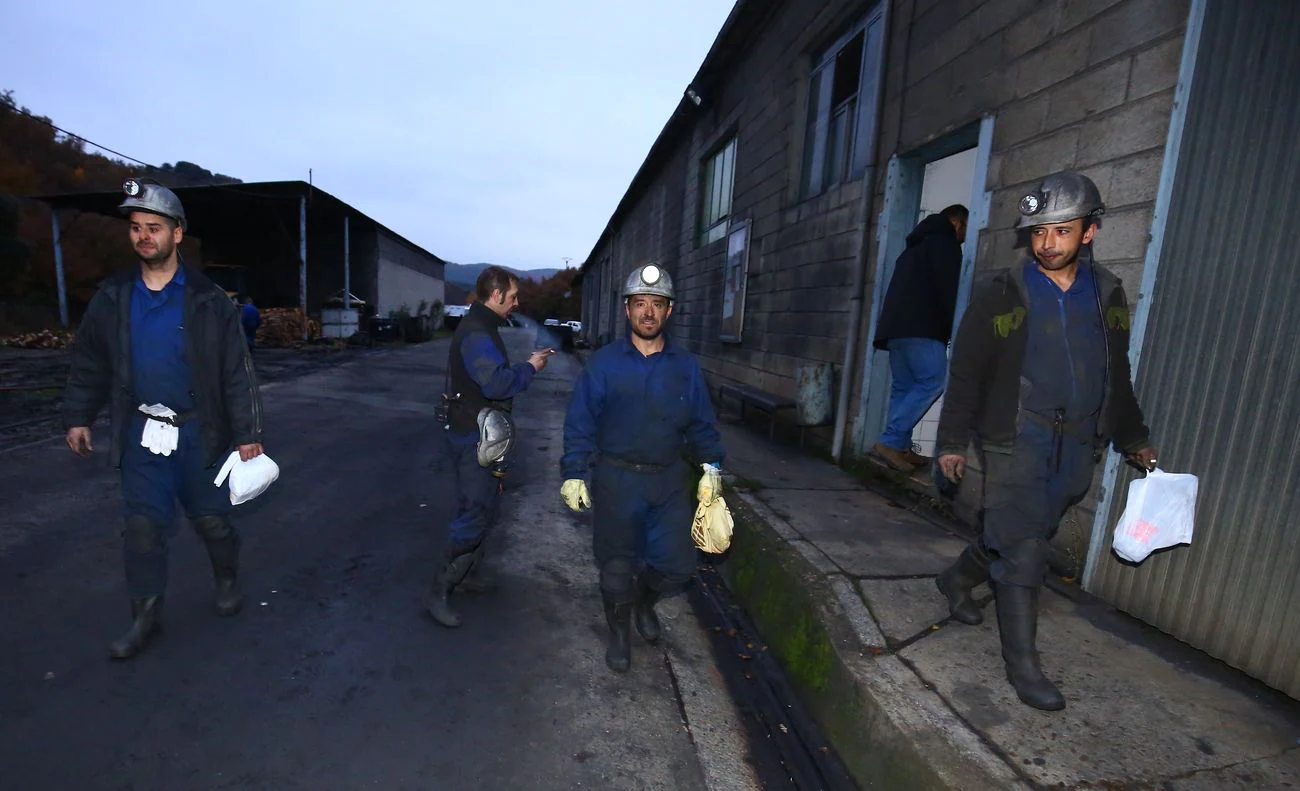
column 640, row 420
column 1040, row 381
column 164, row 338
column 475, row 416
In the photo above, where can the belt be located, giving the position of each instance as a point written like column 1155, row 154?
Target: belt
column 624, row 464
column 179, row 420
column 1061, row 428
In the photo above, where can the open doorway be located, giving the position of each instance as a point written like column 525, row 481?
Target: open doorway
column 944, row 182
column 950, row 170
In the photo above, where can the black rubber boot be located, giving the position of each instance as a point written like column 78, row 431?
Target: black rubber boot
column 147, row 622
column 480, row 578
column 958, row 580
column 437, row 600
column 647, row 620
column 618, row 615
column 223, row 550
column 1018, row 624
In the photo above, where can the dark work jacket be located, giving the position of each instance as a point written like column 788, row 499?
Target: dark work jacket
column 922, row 295
column 983, row 395
column 480, row 320
column 227, row 404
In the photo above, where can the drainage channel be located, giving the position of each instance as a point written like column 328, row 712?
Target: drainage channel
column 787, row 748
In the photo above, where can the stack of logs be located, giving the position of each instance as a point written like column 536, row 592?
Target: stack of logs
column 44, row 339
column 284, row 327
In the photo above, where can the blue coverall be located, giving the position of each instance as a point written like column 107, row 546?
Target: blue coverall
column 647, row 424
column 1050, row 468
column 152, row 483
column 476, row 486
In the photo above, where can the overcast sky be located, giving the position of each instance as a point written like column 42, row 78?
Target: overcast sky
column 490, row 130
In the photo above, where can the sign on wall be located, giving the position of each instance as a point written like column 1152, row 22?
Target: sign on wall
column 735, row 274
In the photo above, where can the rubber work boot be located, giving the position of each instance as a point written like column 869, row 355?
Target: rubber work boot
column 618, row 615
column 480, row 578
column 437, row 600
column 223, row 550
column 147, row 622
column 958, row 580
column 1018, row 624
column 647, row 620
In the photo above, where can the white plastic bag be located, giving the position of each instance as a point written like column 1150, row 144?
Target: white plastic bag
column 249, row 478
column 1160, row 512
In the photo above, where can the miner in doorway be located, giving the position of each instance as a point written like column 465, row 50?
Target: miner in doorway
column 915, row 326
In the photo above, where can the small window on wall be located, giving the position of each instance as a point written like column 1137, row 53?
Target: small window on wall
column 842, row 108
column 717, row 177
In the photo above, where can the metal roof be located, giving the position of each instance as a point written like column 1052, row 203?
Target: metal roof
column 224, row 208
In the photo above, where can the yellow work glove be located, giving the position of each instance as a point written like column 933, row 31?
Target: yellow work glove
column 574, row 492
column 712, row 527
column 710, row 484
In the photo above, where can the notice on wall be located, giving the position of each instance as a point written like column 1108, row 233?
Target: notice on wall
column 735, row 276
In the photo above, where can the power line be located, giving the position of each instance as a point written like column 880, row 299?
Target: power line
column 46, row 121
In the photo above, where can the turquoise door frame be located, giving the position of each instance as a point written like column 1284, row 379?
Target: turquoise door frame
column 903, row 182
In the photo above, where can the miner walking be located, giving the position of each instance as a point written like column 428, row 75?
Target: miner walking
column 162, row 346
column 641, row 423
column 1040, row 381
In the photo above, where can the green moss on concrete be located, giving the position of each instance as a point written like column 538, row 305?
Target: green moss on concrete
column 784, row 595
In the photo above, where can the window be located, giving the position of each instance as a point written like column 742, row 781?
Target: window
column 842, row 108
column 716, row 179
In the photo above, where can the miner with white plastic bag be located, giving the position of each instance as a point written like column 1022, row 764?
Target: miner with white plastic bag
column 162, row 346
column 640, row 422
column 1040, row 380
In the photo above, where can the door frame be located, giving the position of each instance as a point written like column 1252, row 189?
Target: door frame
column 903, row 183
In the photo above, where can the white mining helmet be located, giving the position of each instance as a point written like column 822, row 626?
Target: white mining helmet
column 650, row 280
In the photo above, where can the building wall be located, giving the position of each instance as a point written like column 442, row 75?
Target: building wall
column 406, row 277
column 1086, row 84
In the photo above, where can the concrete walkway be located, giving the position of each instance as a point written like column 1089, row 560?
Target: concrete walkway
column 840, row 580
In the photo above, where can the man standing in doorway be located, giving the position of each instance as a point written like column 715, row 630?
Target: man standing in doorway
column 915, row 326
column 640, row 418
column 1040, row 380
column 482, row 386
column 165, row 336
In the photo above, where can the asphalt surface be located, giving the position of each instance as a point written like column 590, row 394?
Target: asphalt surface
column 331, row 677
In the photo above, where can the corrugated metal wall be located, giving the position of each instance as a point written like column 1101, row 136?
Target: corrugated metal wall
column 1220, row 372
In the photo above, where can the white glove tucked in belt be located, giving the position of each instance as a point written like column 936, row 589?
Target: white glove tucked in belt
column 159, row 437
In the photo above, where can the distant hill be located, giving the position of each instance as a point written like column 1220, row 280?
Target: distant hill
column 466, row 274
column 455, row 295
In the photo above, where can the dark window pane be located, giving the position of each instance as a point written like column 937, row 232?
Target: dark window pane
column 848, row 71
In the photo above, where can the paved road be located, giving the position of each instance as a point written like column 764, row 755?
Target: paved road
column 332, row 678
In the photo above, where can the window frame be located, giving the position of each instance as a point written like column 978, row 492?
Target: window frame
column 717, row 169
column 818, row 171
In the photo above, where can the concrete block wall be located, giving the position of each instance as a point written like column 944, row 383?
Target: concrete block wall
column 802, row 251
column 1084, row 84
